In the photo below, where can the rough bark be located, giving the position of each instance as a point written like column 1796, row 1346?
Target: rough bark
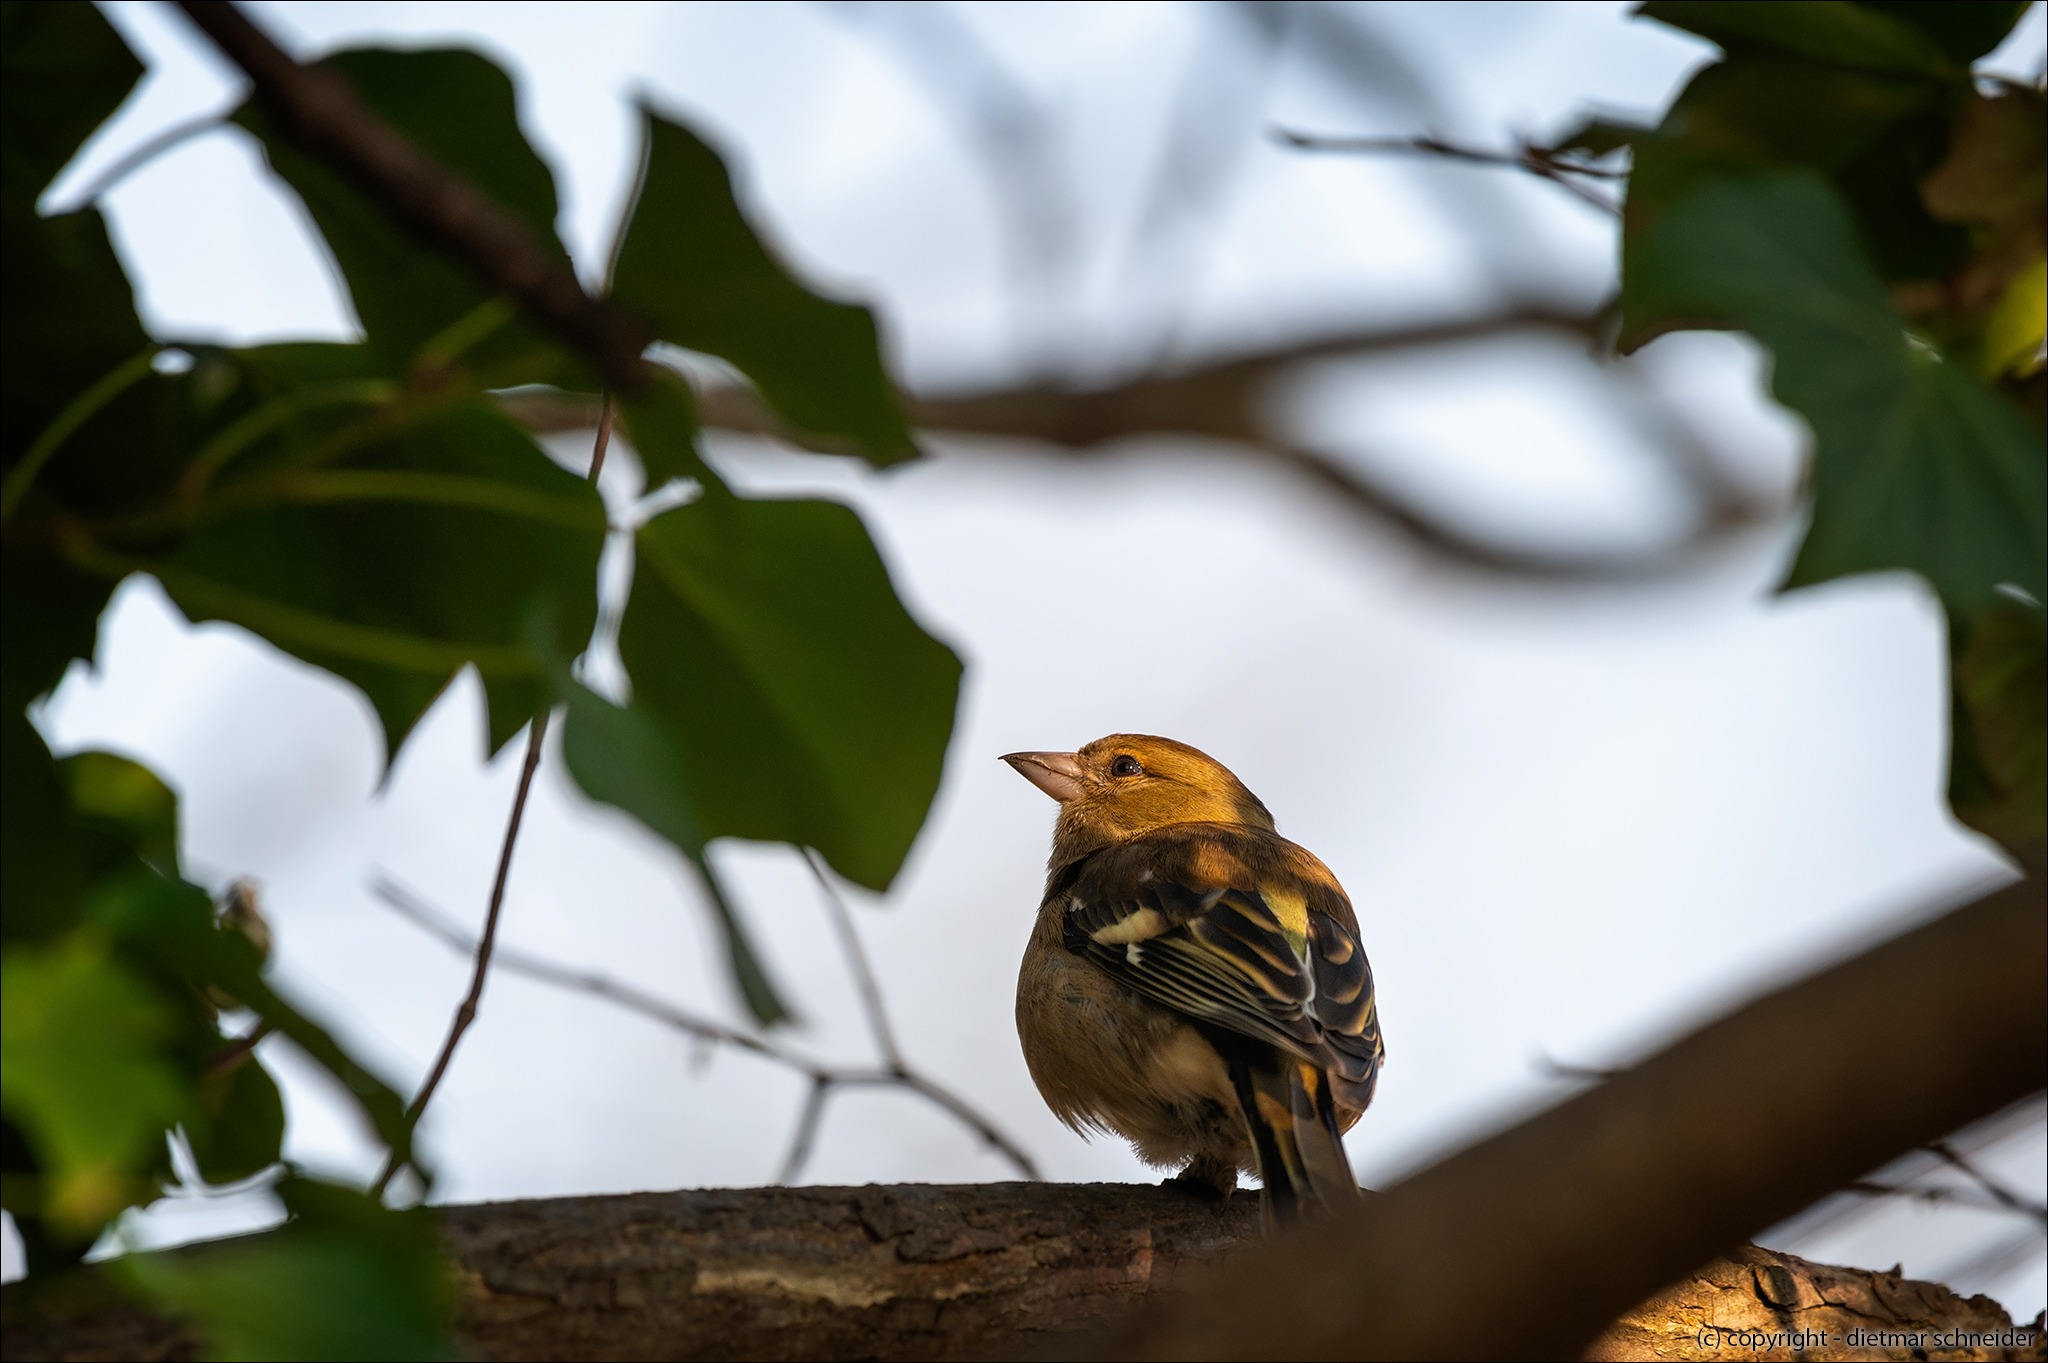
column 989, row 1270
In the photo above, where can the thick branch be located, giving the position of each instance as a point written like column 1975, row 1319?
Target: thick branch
column 1556, row 1226
column 922, row 1272
column 318, row 112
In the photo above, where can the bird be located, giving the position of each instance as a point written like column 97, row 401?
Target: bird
column 1194, row 981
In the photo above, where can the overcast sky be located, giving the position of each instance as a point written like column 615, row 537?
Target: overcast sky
column 1574, row 821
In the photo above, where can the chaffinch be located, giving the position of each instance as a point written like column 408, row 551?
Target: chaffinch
column 1195, row 981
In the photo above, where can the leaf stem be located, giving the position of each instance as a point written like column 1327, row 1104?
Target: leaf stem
column 80, row 410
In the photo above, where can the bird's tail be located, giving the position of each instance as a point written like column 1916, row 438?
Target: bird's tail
column 1293, row 1119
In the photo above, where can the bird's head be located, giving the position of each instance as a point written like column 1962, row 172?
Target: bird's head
column 1127, row 785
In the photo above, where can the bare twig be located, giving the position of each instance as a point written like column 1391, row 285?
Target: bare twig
column 857, row 964
column 603, row 443
column 141, row 156
column 1538, row 161
column 236, row 1051
column 805, row 1136
column 825, row 1079
column 318, row 111
column 1997, row 1191
column 465, row 1013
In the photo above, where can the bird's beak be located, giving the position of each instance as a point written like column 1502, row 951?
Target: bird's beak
column 1058, row 774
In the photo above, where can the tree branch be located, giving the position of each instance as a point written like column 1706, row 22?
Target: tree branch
column 1538, row 161
column 1562, row 1222
column 1000, row 1270
column 318, row 112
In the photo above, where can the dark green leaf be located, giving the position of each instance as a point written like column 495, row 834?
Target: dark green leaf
column 1875, row 136
column 86, row 1075
column 1835, row 31
column 624, row 757
column 63, row 70
column 345, row 1278
column 239, row 1130
column 802, row 701
column 43, row 871
column 49, row 614
column 1963, row 29
column 693, row 267
column 427, row 551
column 1916, row 465
column 129, row 801
column 662, row 424
column 1998, row 777
column 68, row 324
column 461, row 109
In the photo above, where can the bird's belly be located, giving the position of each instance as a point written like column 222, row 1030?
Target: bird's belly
column 1104, row 1057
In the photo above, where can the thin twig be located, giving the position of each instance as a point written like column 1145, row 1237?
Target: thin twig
column 825, row 1079
column 603, row 442
column 465, row 1013
column 141, row 156
column 1535, row 160
column 2004, row 1196
column 236, row 1051
column 536, row 736
column 857, row 963
column 806, row 1134
column 317, row 110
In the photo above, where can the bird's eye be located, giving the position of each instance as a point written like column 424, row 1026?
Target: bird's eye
column 1125, row 765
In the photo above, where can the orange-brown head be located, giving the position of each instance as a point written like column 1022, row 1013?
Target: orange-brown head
column 1127, row 785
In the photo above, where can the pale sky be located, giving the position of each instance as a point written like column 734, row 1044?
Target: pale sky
column 1575, row 821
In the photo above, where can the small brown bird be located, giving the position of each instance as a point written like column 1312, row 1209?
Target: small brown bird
column 1195, row 982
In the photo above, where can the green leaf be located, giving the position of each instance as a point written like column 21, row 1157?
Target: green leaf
column 803, row 703
column 239, row 1131
column 83, row 1071
column 68, row 323
column 1835, row 31
column 43, row 871
column 624, row 757
column 461, row 109
column 128, row 800
column 63, row 71
column 690, row 264
column 662, row 424
column 1998, row 779
column 426, row 552
column 345, row 1278
column 49, row 614
column 1963, row 29
column 1916, row 465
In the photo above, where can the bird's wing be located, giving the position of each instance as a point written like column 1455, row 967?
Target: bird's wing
column 1200, row 924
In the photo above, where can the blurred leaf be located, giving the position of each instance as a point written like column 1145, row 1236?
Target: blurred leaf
column 1963, row 31
column 803, row 703
column 461, row 109
column 63, row 70
column 1834, row 31
column 623, row 756
column 1875, row 136
column 43, row 871
column 345, row 1278
column 67, row 324
column 1999, row 782
column 239, row 1130
column 691, row 265
column 2018, row 324
column 1916, row 465
column 85, row 1074
column 662, row 424
column 128, row 799
column 426, row 553
column 1997, row 162
column 49, row 614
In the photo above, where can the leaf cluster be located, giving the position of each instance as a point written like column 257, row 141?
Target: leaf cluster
column 1841, row 187
column 370, row 509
